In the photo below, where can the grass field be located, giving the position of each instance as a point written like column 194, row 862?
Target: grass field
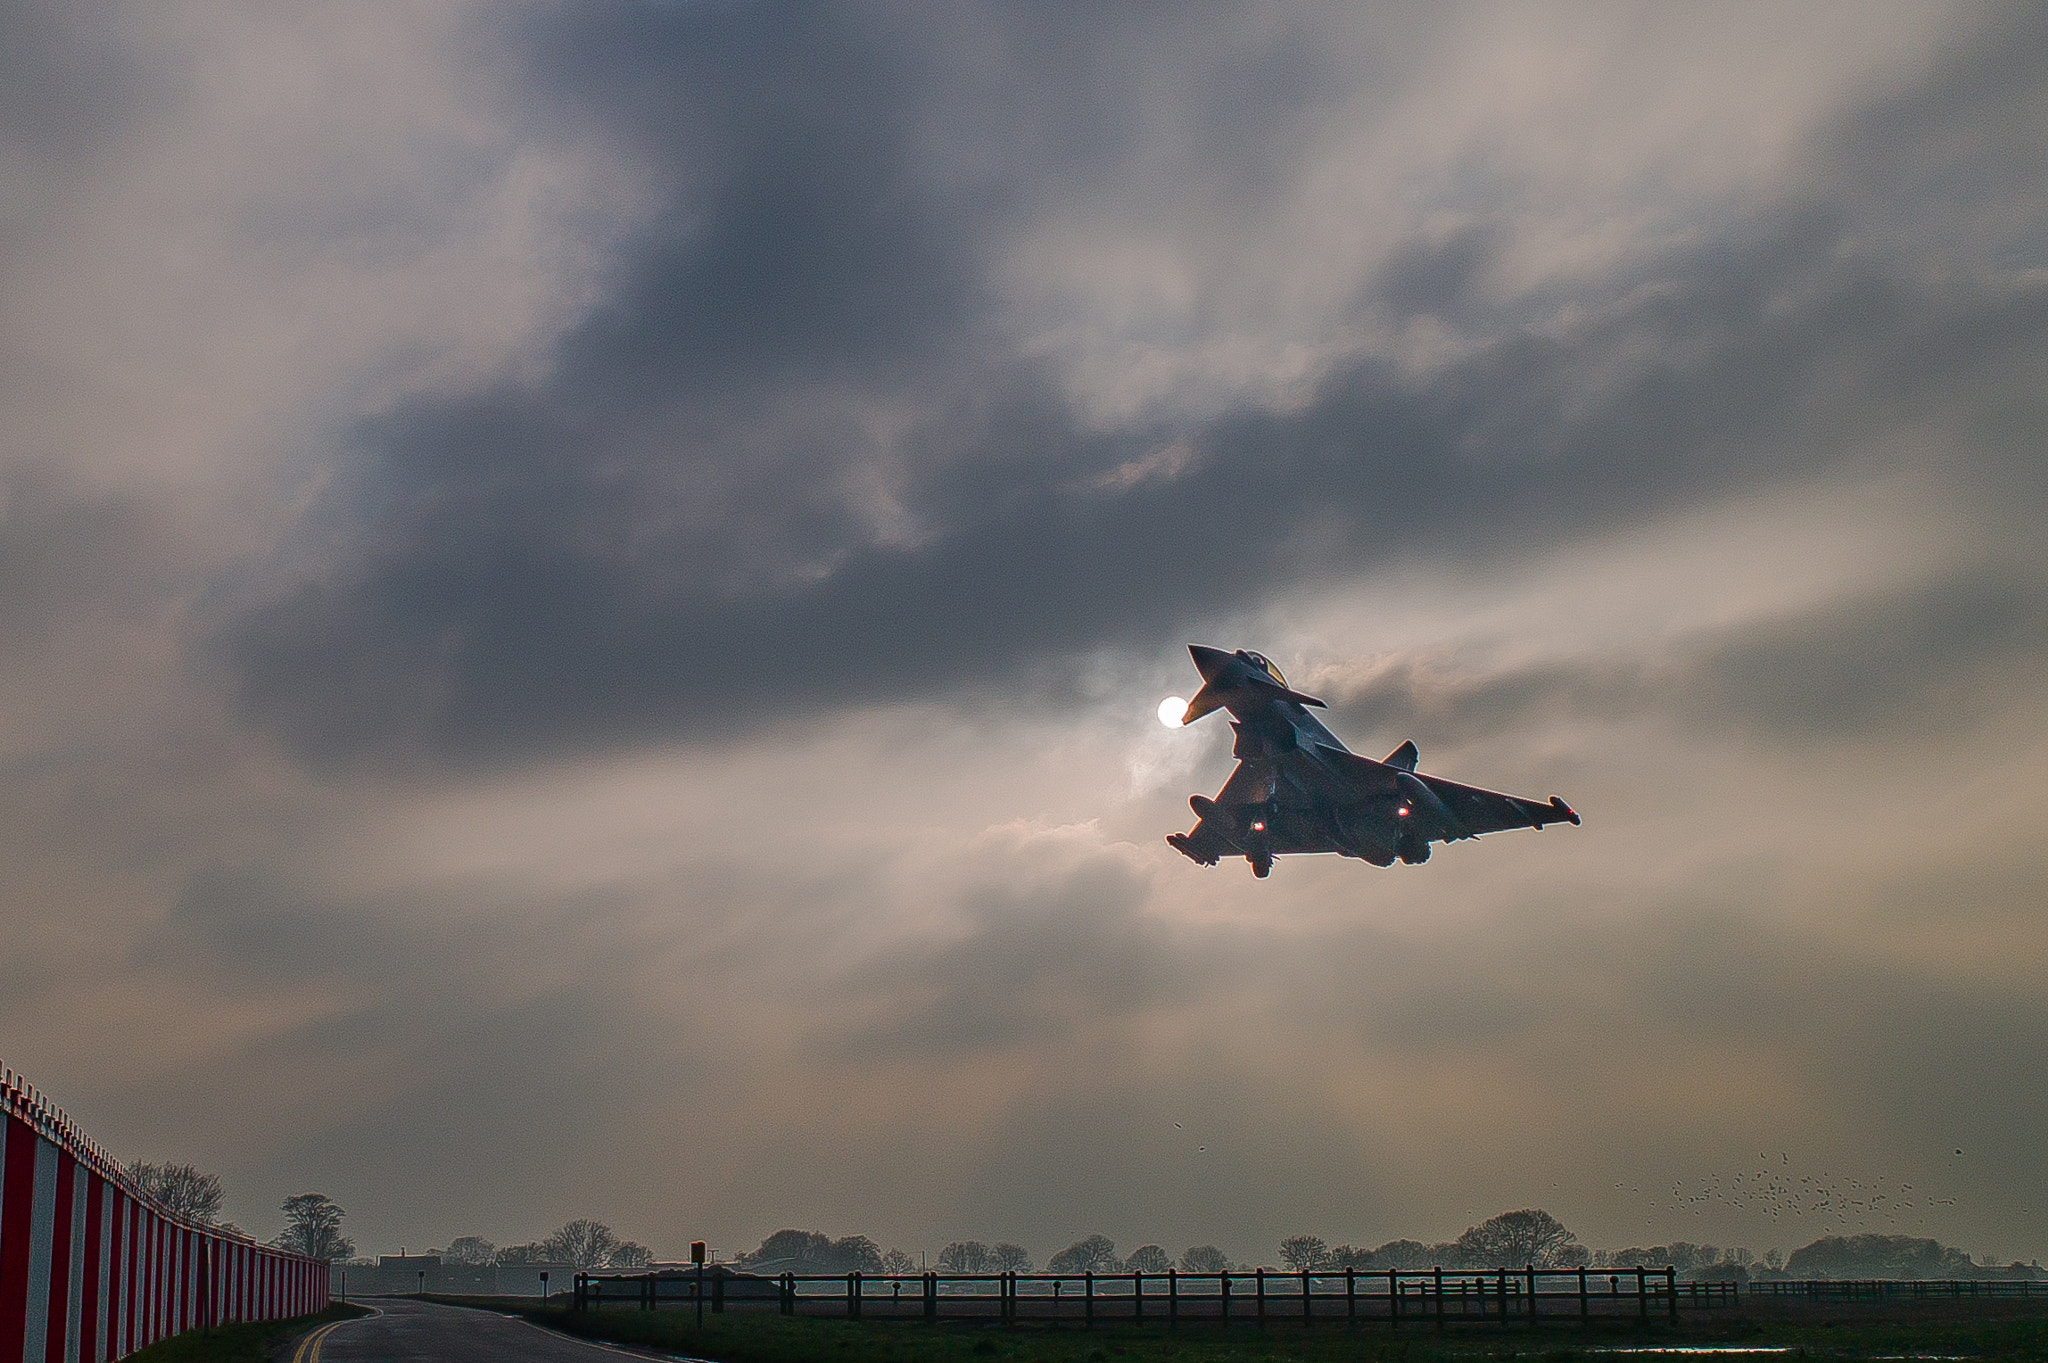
column 256, row 1342
column 1991, row 1331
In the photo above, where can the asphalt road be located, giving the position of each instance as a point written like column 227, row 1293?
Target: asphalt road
column 420, row 1332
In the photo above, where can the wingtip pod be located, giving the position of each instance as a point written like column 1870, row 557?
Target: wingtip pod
column 1571, row 815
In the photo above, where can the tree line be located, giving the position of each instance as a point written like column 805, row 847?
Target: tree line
column 1529, row 1236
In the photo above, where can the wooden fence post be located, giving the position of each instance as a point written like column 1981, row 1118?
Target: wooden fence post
column 931, row 1296
column 1088, row 1306
column 1671, row 1288
column 1585, row 1307
column 1224, row 1278
column 1350, row 1296
column 1439, row 1298
column 1138, row 1298
column 1394, row 1297
column 1260, row 1277
column 1172, row 1299
column 1307, row 1309
column 1642, row 1295
column 1532, row 1292
column 853, row 1295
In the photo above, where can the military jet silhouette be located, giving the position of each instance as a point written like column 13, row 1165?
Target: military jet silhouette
column 1297, row 789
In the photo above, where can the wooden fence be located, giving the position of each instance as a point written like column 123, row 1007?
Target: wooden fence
column 1431, row 1298
column 1892, row 1289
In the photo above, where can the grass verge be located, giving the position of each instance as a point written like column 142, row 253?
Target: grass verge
column 1836, row 1332
column 252, row 1342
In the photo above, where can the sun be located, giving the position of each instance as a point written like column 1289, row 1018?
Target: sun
column 1170, row 711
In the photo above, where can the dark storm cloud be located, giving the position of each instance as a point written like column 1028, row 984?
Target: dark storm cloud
column 692, row 522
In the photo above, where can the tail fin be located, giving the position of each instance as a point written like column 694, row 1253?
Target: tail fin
column 1405, row 757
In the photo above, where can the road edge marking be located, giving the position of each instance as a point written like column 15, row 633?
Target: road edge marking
column 309, row 1347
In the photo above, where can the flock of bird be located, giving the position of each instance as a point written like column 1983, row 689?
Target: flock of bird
column 1820, row 1200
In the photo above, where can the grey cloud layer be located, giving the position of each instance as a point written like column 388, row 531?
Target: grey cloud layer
column 948, row 356
column 801, row 447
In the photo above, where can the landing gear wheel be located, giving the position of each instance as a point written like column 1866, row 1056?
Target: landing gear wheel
column 1414, row 851
column 1262, row 866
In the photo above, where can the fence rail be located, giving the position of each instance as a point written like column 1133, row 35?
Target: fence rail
column 1428, row 1298
column 1906, row 1289
column 92, row 1268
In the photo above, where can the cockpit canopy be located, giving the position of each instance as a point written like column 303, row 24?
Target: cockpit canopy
column 1258, row 660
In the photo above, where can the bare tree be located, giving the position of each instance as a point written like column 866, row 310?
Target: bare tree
column 583, row 1242
column 312, row 1227
column 897, row 1262
column 1009, row 1258
column 1094, row 1254
column 629, row 1255
column 966, row 1256
column 1521, row 1237
column 1147, row 1259
column 532, row 1252
column 1204, row 1259
column 182, row 1190
column 470, row 1249
column 1304, row 1251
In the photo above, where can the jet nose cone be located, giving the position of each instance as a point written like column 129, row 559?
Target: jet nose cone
column 1209, row 661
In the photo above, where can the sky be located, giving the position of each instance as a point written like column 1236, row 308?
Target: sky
column 584, row 589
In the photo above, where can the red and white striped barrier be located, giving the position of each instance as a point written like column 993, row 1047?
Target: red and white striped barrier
column 92, row 1270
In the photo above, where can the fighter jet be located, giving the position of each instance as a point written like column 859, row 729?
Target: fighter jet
column 1297, row 789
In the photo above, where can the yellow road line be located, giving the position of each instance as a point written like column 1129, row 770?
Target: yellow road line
column 309, row 1347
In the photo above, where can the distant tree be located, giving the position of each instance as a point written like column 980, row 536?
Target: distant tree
column 1008, row 1258
column 855, row 1254
column 1147, row 1259
column 312, row 1227
column 1304, row 1251
column 1400, row 1254
column 181, row 1189
column 532, row 1252
column 470, row 1249
column 1521, row 1237
column 791, row 1251
column 583, row 1242
column 966, row 1256
column 1094, row 1254
column 1774, row 1259
column 897, row 1262
column 1203, row 1259
column 1877, row 1256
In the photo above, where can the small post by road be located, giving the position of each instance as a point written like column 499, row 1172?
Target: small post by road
column 544, row 1288
column 423, row 1282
